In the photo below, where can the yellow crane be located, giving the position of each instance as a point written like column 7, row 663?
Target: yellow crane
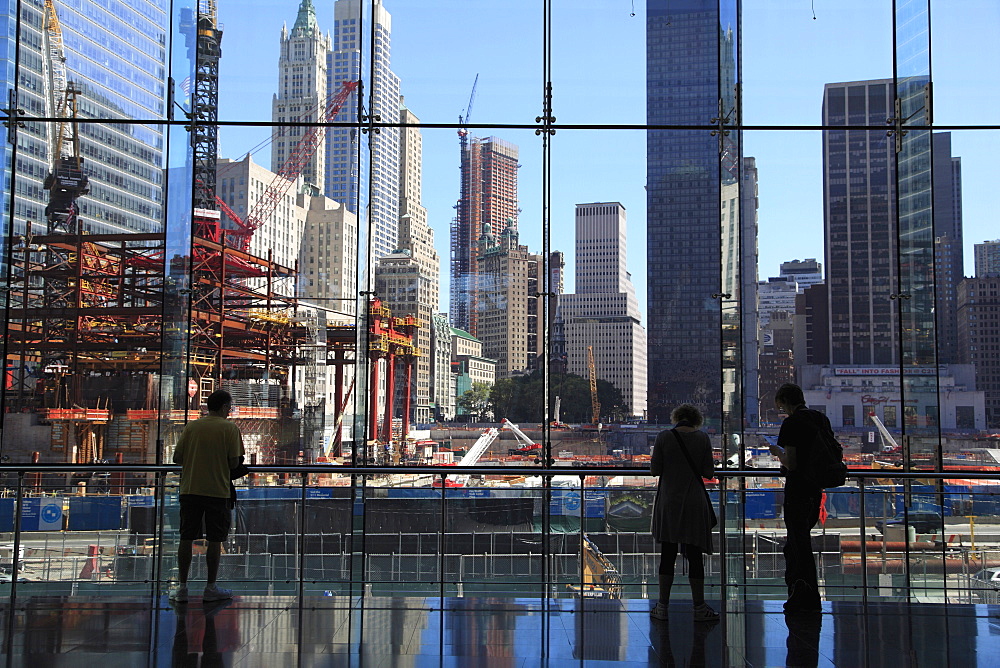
column 595, row 405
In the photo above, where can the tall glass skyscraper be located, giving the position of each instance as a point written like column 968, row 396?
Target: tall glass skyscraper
column 690, row 175
column 347, row 173
column 115, row 60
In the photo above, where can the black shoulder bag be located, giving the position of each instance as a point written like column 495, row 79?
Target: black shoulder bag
column 697, row 476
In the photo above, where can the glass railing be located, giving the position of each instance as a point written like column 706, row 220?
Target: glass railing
column 450, row 532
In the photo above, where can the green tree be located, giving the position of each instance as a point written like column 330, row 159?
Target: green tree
column 519, row 399
column 476, row 402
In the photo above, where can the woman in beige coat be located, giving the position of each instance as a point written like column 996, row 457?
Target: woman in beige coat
column 682, row 517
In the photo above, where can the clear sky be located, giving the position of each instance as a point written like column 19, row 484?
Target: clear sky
column 598, row 72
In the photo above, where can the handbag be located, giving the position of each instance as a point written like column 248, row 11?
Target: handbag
column 697, row 476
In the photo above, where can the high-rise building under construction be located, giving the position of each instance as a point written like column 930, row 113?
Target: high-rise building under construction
column 488, row 197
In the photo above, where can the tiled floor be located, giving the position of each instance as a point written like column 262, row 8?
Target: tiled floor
column 272, row 632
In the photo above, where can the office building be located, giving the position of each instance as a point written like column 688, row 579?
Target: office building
column 302, row 92
column 690, row 75
column 979, row 337
column 328, row 263
column 804, row 272
column 407, row 279
column 488, row 198
column 875, row 208
column 777, row 362
column 509, row 310
column 442, row 380
column 949, row 260
column 603, row 313
column 468, row 366
column 777, row 293
column 987, row 259
column 376, row 203
column 860, row 242
column 124, row 161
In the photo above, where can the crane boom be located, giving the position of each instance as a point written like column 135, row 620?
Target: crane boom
column 289, row 171
column 595, row 405
column 479, row 447
column 57, row 83
column 885, row 432
column 463, row 120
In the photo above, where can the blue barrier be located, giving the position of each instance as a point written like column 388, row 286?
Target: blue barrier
column 92, row 513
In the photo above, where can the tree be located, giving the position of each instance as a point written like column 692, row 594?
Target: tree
column 519, row 399
column 476, row 402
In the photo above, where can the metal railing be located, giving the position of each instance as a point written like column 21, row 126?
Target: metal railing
column 542, row 554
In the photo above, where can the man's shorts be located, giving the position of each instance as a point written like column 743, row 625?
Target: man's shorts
column 208, row 512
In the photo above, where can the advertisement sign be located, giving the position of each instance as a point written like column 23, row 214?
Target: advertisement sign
column 882, row 371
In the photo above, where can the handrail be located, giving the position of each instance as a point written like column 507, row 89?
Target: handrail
column 439, row 470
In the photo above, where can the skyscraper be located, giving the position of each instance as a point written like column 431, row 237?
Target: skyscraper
column 488, row 197
column 949, row 257
column 302, row 86
column 408, row 279
column 357, row 24
column 987, row 259
column 860, row 224
column 861, row 229
column 508, row 307
column 804, row 272
column 604, row 311
column 690, row 80
column 124, row 161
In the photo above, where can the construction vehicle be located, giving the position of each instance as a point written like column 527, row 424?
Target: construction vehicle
column 889, row 444
column 527, row 447
column 470, row 458
column 595, row 404
column 600, row 577
column 556, row 423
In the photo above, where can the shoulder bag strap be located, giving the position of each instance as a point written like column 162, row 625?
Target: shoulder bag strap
column 697, row 475
column 687, row 456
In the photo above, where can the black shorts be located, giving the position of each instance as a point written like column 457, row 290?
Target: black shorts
column 204, row 512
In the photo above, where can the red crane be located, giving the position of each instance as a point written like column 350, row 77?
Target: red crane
column 283, row 180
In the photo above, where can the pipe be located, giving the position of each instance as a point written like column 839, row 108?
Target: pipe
column 936, row 566
column 888, row 546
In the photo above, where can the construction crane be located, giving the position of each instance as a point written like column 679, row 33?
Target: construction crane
column 470, row 458
column 889, row 444
column 595, row 405
column 67, row 181
column 285, row 176
column 464, row 120
column 467, row 224
column 204, row 43
column 527, row 445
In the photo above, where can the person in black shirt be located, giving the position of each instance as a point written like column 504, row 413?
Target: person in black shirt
column 796, row 450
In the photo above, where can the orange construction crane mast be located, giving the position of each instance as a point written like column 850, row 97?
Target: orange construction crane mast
column 595, row 405
column 285, row 176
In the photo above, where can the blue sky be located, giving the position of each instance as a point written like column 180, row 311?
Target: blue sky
column 598, row 73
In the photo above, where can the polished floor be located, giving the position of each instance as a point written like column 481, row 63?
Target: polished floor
column 274, row 631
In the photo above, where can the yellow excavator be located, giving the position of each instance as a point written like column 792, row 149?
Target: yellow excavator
column 600, row 577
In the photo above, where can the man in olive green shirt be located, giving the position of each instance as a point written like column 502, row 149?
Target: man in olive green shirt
column 208, row 450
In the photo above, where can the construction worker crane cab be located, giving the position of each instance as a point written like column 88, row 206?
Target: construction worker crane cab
column 66, row 183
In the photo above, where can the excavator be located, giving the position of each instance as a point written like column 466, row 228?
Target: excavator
column 600, row 577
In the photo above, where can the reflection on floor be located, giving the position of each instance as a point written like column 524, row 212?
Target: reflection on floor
column 274, row 631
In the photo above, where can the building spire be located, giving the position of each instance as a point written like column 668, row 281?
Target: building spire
column 306, row 19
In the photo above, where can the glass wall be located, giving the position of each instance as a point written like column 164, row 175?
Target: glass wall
column 403, row 243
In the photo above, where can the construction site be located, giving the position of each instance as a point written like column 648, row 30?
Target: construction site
column 113, row 341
